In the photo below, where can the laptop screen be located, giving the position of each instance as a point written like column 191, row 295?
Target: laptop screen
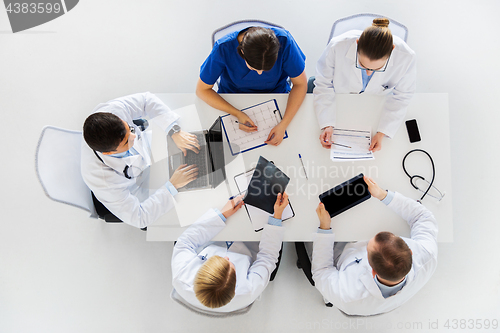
column 216, row 149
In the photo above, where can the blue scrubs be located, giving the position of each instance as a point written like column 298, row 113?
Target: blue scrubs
column 236, row 77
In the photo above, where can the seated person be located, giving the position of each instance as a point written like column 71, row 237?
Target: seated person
column 376, row 276
column 115, row 153
column 255, row 60
column 374, row 62
column 230, row 277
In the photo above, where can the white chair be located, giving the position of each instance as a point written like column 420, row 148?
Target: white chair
column 57, row 162
column 240, row 25
column 177, row 298
column 361, row 22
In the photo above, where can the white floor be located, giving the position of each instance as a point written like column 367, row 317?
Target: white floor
column 63, row 272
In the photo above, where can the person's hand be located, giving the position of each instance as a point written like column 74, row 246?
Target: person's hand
column 374, row 189
column 232, row 206
column 377, row 142
column 276, row 135
column 324, row 217
column 280, row 204
column 326, row 137
column 184, row 140
column 183, row 175
column 246, row 124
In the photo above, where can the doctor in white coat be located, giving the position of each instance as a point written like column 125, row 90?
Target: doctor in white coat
column 372, row 62
column 225, row 276
column 379, row 275
column 115, row 154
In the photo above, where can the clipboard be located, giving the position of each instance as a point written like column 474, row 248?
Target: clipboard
column 231, row 130
column 257, row 216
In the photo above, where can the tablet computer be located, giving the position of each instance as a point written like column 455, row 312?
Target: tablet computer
column 346, row 195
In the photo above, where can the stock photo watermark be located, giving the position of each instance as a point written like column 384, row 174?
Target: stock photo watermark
column 24, row 15
column 368, row 324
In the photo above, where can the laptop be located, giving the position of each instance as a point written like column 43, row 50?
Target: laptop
column 210, row 159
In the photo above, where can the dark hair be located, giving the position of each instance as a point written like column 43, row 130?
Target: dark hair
column 376, row 41
column 392, row 258
column 259, row 47
column 103, row 131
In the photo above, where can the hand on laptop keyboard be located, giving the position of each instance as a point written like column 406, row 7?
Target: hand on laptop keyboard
column 183, row 175
column 185, row 141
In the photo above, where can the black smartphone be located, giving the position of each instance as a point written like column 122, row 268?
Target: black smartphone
column 412, row 128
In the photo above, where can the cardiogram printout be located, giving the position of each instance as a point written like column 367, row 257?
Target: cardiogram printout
column 264, row 115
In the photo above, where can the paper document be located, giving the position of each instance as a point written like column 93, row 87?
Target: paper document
column 358, row 141
column 265, row 116
column 258, row 216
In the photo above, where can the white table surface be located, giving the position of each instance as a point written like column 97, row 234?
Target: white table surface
column 359, row 223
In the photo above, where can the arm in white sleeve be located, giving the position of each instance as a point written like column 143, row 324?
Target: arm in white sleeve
column 424, row 228
column 198, row 234
column 324, row 91
column 396, row 104
column 260, row 271
column 325, row 274
column 114, row 193
column 141, row 105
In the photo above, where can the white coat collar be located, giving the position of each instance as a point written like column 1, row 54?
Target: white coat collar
column 351, row 56
column 367, row 279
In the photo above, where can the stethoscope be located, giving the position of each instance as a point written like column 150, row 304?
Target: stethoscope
column 416, row 177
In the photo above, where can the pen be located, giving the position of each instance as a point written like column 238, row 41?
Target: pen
column 232, row 198
column 338, row 144
column 247, row 124
column 303, row 167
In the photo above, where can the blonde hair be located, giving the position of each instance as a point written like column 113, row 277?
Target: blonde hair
column 376, row 41
column 215, row 282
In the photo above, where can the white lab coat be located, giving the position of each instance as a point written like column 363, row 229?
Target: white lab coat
column 351, row 287
column 129, row 199
column 336, row 73
column 193, row 248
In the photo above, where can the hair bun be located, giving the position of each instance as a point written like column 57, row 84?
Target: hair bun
column 381, row 22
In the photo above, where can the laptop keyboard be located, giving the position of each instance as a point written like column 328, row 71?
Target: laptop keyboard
column 200, row 160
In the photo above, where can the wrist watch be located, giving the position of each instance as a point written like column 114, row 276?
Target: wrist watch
column 175, row 129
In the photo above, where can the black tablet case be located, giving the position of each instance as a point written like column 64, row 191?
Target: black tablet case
column 267, row 181
column 339, row 199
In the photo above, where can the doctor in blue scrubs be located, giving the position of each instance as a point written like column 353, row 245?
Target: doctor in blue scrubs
column 255, row 60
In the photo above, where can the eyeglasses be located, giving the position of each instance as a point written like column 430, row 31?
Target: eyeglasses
column 132, row 129
column 358, row 65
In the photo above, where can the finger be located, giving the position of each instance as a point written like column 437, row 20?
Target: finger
column 195, row 143
column 180, row 167
column 184, row 151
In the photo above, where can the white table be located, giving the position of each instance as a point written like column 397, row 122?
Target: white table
column 363, row 221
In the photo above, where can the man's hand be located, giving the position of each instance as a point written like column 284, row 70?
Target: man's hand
column 377, row 142
column 374, row 189
column 232, row 206
column 324, row 217
column 280, row 204
column 276, row 135
column 183, row 175
column 246, row 124
column 326, row 137
column 184, row 140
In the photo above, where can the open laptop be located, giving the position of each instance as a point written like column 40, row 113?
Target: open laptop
column 210, row 159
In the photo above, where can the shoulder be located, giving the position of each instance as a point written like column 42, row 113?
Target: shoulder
column 402, row 49
column 346, row 38
column 227, row 40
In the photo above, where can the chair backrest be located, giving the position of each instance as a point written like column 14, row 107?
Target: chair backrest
column 240, row 25
column 57, row 162
column 174, row 295
column 362, row 21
